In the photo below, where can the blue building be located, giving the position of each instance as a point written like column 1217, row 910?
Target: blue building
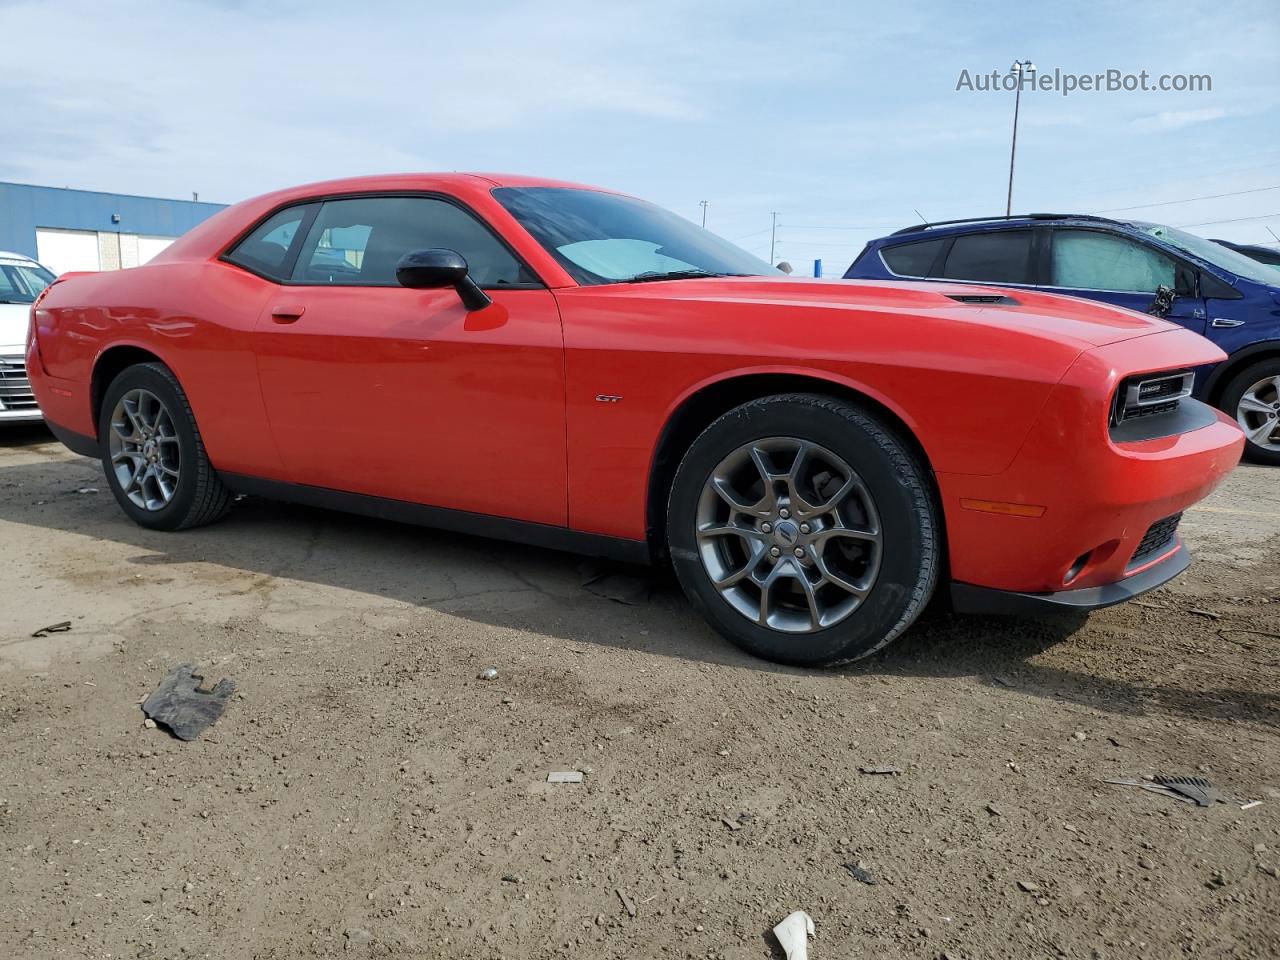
column 85, row 230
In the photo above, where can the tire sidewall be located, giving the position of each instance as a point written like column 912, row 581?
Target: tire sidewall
column 1231, row 405
column 151, row 378
column 908, row 561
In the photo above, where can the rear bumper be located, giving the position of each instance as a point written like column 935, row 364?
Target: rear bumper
column 967, row 598
column 75, row 442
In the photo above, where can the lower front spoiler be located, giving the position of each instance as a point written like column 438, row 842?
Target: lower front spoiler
column 966, row 598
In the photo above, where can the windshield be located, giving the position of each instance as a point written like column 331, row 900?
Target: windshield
column 606, row 238
column 21, row 282
column 1211, row 252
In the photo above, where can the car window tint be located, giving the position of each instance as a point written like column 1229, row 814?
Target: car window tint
column 912, row 259
column 997, row 257
column 265, row 250
column 1089, row 260
column 359, row 242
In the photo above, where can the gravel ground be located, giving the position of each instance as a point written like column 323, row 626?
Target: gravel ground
column 365, row 794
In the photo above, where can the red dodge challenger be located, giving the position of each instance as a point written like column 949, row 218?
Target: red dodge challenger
column 567, row 366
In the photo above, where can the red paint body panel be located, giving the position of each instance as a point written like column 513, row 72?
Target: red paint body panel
column 403, row 394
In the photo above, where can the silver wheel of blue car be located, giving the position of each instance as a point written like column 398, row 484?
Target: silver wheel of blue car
column 146, row 456
column 789, row 534
column 1258, row 413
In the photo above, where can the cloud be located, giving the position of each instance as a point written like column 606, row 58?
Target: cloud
column 1177, row 119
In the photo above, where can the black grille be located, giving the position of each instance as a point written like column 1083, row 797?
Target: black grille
column 1156, row 539
column 15, row 388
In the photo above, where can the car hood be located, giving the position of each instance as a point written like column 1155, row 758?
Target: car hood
column 13, row 326
column 1085, row 323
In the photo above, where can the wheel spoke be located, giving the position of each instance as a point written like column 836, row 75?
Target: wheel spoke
column 1251, row 403
column 810, row 595
column 835, row 579
column 817, row 500
column 143, row 449
column 1262, row 432
column 823, row 537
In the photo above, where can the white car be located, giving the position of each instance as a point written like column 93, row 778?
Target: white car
column 21, row 280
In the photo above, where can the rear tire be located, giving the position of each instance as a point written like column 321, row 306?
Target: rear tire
column 751, row 515
column 1247, row 397
column 152, row 453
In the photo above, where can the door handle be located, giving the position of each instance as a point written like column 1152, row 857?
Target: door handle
column 287, row 313
column 1225, row 322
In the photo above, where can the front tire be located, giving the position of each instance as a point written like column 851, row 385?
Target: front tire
column 805, row 530
column 1253, row 398
column 152, row 453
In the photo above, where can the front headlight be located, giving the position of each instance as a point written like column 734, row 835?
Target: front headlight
column 1150, row 395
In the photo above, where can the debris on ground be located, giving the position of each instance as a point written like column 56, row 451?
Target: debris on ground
column 1197, row 788
column 1003, row 681
column 627, row 903
column 1251, row 804
column 87, row 490
column 62, row 626
column 994, row 810
column 1208, row 614
column 183, row 705
column 564, row 776
column 793, row 935
column 512, row 878
column 734, row 825
column 488, row 673
column 615, row 582
column 1026, row 886
column 860, row 873
column 881, row 771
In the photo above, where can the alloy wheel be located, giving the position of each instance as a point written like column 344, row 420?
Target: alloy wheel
column 144, row 447
column 788, row 534
column 1258, row 413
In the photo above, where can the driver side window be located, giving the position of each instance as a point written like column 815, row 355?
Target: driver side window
column 359, row 241
column 1089, row 260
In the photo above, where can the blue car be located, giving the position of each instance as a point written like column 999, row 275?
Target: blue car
column 1209, row 288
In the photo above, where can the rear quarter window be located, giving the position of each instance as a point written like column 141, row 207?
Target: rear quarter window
column 912, row 259
column 266, row 249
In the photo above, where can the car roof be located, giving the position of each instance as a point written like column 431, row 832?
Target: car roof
column 426, row 181
column 9, row 255
column 979, row 224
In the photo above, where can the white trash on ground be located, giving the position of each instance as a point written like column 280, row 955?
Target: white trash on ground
column 793, row 934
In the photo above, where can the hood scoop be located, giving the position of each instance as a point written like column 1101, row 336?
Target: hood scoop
column 984, row 298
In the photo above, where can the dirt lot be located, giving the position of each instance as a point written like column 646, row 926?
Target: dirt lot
column 366, row 795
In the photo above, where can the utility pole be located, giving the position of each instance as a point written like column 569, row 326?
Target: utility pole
column 1019, row 67
column 704, row 204
column 773, row 236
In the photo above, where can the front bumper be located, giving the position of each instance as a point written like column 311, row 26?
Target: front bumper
column 967, row 598
column 1086, row 499
column 17, row 399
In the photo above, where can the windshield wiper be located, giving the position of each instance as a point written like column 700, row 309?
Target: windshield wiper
column 653, row 275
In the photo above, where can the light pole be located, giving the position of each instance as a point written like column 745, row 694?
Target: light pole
column 1018, row 69
column 773, row 236
column 704, row 204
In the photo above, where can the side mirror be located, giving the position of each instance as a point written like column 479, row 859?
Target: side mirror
column 434, row 268
column 1163, row 302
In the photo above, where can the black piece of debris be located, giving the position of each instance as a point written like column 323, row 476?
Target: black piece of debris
column 182, row 706
column 861, row 873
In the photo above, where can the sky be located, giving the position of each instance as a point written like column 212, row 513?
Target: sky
column 843, row 118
